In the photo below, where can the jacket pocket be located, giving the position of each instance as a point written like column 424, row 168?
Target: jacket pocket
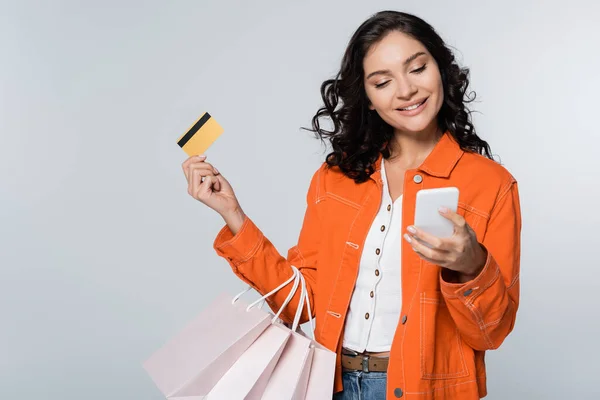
column 442, row 355
column 476, row 219
column 342, row 200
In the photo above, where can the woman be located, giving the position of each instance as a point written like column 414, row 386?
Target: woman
column 410, row 315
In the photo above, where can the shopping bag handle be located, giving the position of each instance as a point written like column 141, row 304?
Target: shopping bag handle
column 304, row 297
column 237, row 296
column 295, row 278
column 299, row 280
column 240, row 294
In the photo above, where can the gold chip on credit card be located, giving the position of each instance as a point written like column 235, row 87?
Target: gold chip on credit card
column 200, row 136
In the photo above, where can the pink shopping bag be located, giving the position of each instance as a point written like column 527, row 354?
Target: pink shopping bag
column 321, row 375
column 192, row 363
column 250, row 375
column 289, row 379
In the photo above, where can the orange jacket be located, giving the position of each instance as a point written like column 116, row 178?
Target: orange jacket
column 445, row 328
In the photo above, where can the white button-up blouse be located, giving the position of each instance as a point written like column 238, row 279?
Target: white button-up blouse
column 376, row 301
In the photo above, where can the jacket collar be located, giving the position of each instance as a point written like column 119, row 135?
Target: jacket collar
column 440, row 162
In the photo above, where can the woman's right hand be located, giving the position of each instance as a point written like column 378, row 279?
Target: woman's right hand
column 208, row 186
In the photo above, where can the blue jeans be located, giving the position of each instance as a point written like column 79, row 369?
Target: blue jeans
column 360, row 385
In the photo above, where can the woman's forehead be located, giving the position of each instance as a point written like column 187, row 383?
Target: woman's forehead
column 395, row 49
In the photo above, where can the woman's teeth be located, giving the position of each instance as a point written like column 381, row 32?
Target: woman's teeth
column 412, row 107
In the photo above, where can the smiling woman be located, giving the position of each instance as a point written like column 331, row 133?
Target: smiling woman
column 406, row 87
column 397, row 75
column 408, row 314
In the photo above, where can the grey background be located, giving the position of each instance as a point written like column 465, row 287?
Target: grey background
column 104, row 256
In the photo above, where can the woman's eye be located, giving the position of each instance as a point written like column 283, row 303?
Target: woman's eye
column 419, row 70
column 380, row 85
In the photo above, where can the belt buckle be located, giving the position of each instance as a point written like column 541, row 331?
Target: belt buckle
column 365, row 364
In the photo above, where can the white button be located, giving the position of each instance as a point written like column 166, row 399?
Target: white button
column 418, row 178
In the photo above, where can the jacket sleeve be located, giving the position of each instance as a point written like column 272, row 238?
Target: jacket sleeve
column 255, row 260
column 484, row 309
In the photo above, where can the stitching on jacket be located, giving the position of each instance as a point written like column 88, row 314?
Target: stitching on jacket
column 476, row 223
column 446, row 171
column 462, row 372
column 496, row 322
column 465, row 369
column 514, row 281
column 340, row 266
column 451, row 166
column 450, row 295
column 424, row 374
column 488, row 285
column 503, row 193
column 317, row 194
column 485, row 332
column 473, row 210
column 220, row 235
column 443, row 387
column 354, row 245
column 243, row 228
column 343, row 200
column 412, row 300
column 303, row 260
column 253, row 251
column 475, row 312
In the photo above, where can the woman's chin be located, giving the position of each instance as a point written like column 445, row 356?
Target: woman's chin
column 412, row 126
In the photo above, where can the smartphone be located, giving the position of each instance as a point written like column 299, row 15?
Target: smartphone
column 427, row 216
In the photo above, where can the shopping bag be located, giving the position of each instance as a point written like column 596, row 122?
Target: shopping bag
column 248, row 377
column 289, row 379
column 308, row 371
column 322, row 368
column 194, row 361
column 322, row 373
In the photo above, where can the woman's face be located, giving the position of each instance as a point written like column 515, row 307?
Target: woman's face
column 399, row 74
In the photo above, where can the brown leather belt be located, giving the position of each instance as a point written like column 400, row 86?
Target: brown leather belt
column 364, row 362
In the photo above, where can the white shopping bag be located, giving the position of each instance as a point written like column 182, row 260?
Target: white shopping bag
column 322, row 369
column 289, row 380
column 249, row 375
column 193, row 361
column 306, row 370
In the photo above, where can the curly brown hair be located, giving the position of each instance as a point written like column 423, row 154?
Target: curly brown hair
column 359, row 134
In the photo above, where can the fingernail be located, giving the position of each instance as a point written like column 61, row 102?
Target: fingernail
column 443, row 210
column 201, row 156
column 407, row 237
column 216, row 171
column 411, row 229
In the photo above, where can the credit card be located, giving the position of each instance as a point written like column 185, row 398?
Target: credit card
column 200, row 136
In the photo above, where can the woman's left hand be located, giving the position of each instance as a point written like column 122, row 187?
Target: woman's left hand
column 460, row 252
